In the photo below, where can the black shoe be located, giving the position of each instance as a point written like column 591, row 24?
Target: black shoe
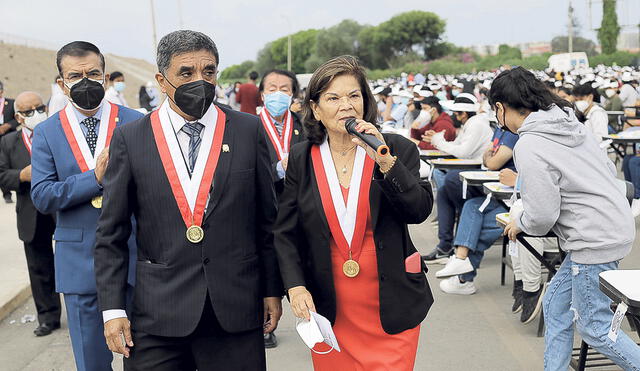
column 517, row 297
column 437, row 256
column 270, row 341
column 46, row 328
column 7, row 198
column 531, row 304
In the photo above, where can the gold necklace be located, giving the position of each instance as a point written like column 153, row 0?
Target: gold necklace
column 343, row 154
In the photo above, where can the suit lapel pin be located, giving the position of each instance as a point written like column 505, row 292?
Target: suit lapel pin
column 296, row 132
column 117, row 119
column 225, row 148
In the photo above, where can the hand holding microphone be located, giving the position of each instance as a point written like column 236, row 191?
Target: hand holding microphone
column 368, row 137
column 367, row 134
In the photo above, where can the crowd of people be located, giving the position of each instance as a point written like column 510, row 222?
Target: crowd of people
column 180, row 226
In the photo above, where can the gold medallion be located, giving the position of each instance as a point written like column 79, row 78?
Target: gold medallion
column 195, row 234
column 351, row 268
column 97, row 202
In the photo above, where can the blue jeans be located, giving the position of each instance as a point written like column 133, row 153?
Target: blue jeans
column 574, row 295
column 631, row 169
column 478, row 231
column 450, row 202
column 438, row 177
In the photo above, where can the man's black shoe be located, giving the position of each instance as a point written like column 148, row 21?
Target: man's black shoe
column 437, row 256
column 531, row 304
column 45, row 329
column 517, row 297
column 7, row 198
column 270, row 340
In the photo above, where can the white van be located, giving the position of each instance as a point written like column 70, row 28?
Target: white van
column 568, row 61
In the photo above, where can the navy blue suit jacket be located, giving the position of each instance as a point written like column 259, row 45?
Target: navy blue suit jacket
column 58, row 186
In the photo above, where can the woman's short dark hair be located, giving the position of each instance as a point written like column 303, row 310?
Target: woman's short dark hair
column 295, row 86
column 586, row 89
column 114, row 75
column 319, row 83
column 521, row 89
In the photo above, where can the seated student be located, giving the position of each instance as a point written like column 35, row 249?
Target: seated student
column 450, row 201
column 631, row 170
column 471, row 140
column 586, row 98
column 432, row 117
column 396, row 108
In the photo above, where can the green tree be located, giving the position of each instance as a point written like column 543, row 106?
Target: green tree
column 237, row 71
column 411, row 31
column 509, row 52
column 560, row 44
column 274, row 54
column 609, row 29
column 338, row 40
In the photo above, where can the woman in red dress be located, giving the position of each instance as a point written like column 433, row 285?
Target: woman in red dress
column 341, row 235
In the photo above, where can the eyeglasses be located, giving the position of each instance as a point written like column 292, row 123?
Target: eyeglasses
column 28, row 113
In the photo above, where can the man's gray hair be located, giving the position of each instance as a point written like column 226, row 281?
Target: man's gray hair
column 180, row 42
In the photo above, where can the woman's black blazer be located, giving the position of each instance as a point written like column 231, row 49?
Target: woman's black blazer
column 302, row 235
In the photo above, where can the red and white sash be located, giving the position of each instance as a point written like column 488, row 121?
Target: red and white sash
column 76, row 138
column 26, row 138
column 348, row 222
column 191, row 193
column 281, row 143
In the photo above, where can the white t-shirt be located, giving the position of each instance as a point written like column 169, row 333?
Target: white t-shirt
column 473, row 139
column 628, row 95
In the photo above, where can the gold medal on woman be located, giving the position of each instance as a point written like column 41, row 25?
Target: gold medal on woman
column 195, row 234
column 350, row 268
column 97, row 202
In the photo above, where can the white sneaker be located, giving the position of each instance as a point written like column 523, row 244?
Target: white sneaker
column 454, row 267
column 452, row 285
column 635, row 207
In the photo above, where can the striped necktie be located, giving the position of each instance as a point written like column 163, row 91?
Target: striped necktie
column 193, row 130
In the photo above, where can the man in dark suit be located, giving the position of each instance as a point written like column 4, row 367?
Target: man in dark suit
column 197, row 179
column 69, row 159
column 34, row 228
column 8, row 124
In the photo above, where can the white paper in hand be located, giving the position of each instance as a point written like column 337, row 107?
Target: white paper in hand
column 317, row 330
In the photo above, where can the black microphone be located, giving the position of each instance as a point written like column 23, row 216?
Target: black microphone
column 370, row 139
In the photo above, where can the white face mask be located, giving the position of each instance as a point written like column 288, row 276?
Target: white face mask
column 610, row 93
column 313, row 332
column 33, row 121
column 582, row 105
column 425, row 116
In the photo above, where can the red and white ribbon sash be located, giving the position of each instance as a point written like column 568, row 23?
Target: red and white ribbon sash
column 72, row 130
column 347, row 222
column 281, row 143
column 26, row 138
column 191, row 193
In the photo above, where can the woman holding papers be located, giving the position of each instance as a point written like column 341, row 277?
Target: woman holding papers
column 341, row 235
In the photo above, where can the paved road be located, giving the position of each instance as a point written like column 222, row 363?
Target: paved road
column 477, row 332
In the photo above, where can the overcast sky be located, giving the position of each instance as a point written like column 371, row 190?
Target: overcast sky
column 241, row 27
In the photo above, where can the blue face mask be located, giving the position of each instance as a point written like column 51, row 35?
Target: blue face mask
column 119, row 86
column 441, row 95
column 277, row 103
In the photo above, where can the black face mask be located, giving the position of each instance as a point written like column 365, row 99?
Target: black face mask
column 194, row 98
column 87, row 94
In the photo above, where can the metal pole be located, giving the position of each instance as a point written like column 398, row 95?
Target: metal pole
column 570, row 28
column 289, row 52
column 153, row 27
column 180, row 15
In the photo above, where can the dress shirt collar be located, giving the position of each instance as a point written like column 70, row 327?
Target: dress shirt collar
column 81, row 116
